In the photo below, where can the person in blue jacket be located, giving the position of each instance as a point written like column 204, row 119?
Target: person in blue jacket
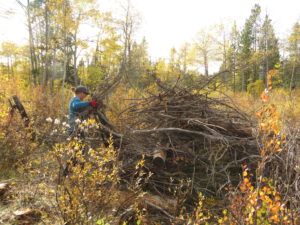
column 77, row 105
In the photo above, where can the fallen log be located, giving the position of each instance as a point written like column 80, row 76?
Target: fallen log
column 15, row 103
column 4, row 188
column 179, row 130
column 165, row 205
column 27, row 216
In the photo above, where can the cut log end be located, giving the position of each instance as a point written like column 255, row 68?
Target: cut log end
column 159, row 158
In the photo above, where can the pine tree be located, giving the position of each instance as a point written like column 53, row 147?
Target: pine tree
column 248, row 46
column 140, row 64
column 294, row 55
column 232, row 56
column 268, row 46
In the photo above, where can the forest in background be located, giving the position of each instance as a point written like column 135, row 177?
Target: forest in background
column 224, row 156
column 56, row 55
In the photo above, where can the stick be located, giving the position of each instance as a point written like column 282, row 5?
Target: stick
column 179, row 130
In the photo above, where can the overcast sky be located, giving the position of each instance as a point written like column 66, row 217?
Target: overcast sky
column 169, row 23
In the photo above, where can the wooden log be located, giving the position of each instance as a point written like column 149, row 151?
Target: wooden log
column 159, row 158
column 15, row 103
column 4, row 187
column 179, row 130
column 165, row 205
column 27, row 216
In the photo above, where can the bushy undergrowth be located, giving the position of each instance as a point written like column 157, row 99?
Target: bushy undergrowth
column 74, row 182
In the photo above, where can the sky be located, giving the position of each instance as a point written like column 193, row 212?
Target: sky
column 170, row 23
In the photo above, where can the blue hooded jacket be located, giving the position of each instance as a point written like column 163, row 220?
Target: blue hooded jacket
column 76, row 106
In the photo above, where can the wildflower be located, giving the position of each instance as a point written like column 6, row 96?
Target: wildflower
column 53, row 132
column 57, row 121
column 64, row 124
column 49, row 120
column 77, row 121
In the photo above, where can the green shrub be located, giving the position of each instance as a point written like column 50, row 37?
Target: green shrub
column 256, row 88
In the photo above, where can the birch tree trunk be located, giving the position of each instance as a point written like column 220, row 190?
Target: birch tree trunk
column 54, row 72
column 46, row 69
column 205, row 58
column 292, row 77
column 33, row 60
column 75, row 74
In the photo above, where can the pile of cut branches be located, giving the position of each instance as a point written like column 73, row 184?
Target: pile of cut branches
column 186, row 142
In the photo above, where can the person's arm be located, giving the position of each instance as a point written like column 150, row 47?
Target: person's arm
column 77, row 104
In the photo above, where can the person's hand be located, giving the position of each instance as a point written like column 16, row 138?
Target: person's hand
column 93, row 103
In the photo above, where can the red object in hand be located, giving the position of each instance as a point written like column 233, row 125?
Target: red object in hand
column 94, row 103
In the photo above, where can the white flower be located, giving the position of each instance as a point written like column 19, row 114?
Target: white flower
column 53, row 132
column 67, row 125
column 49, row 120
column 64, row 124
column 57, row 121
column 77, row 121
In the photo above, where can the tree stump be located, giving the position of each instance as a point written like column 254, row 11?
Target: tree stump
column 15, row 103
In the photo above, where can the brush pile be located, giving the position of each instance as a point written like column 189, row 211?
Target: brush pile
column 186, row 142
